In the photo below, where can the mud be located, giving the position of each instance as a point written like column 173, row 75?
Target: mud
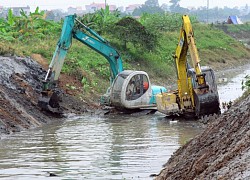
column 20, row 85
column 220, row 152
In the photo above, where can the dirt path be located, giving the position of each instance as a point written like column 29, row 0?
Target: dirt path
column 20, row 84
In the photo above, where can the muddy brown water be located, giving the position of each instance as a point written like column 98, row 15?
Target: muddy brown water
column 231, row 89
column 93, row 147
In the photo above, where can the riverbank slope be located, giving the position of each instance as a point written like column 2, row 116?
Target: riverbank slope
column 20, row 87
column 220, row 152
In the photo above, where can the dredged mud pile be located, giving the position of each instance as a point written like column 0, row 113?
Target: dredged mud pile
column 222, row 151
column 20, row 87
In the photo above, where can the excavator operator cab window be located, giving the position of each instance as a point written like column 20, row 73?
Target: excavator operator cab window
column 137, row 86
column 210, row 79
column 209, row 76
column 117, row 86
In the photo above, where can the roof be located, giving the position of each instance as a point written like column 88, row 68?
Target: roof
column 234, row 20
column 132, row 7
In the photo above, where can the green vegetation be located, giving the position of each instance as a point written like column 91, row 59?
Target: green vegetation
column 239, row 28
column 22, row 28
column 246, row 83
column 216, row 46
column 146, row 44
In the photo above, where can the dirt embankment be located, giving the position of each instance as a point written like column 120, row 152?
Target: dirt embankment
column 222, row 151
column 20, row 87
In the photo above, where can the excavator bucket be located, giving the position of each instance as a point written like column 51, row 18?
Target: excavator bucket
column 206, row 99
column 49, row 101
column 206, row 104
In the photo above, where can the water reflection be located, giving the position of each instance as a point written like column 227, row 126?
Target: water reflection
column 232, row 89
column 95, row 148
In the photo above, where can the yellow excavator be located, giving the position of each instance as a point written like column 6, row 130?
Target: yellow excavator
column 196, row 93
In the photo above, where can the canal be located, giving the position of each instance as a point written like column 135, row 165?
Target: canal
column 91, row 147
column 95, row 147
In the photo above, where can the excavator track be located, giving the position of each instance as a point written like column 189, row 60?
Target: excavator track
column 206, row 104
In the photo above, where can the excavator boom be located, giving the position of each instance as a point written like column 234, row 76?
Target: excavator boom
column 50, row 95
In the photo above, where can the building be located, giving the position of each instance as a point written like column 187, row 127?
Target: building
column 55, row 14
column 130, row 9
column 121, row 8
column 75, row 10
column 191, row 8
column 3, row 12
column 97, row 6
column 16, row 10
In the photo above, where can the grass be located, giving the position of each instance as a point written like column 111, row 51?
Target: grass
column 214, row 47
column 238, row 28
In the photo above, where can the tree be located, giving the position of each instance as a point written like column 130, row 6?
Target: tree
column 165, row 7
column 101, row 20
column 105, row 18
column 175, row 7
column 152, row 3
column 246, row 9
column 157, row 23
column 175, row 3
column 50, row 15
column 150, row 6
column 130, row 30
column 147, row 9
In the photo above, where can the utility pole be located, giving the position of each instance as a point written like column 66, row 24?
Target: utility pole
column 207, row 9
column 105, row 3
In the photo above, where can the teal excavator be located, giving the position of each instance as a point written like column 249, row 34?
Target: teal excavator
column 128, row 89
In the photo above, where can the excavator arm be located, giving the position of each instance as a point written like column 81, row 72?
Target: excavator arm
column 197, row 93
column 102, row 47
column 50, row 95
column 187, row 43
column 188, row 34
column 194, row 92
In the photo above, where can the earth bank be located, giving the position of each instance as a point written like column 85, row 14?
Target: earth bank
column 20, row 84
column 220, row 152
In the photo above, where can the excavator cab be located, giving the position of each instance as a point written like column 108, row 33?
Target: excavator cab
column 132, row 90
column 207, row 102
column 210, row 78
